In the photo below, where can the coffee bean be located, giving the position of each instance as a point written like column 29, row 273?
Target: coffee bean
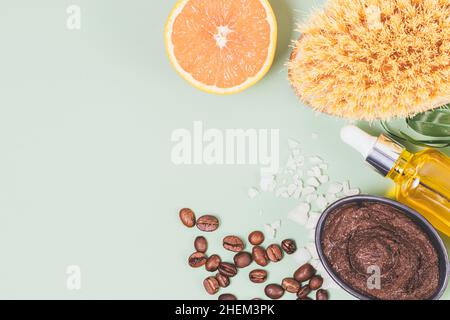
column 212, row 263
column 211, row 285
column 233, row 243
column 303, row 292
column 258, row 276
column 305, row 272
column 227, row 296
column 256, row 299
column 227, row 269
column 290, row 285
column 304, row 298
column 207, row 223
column 242, row 259
column 224, row 281
column 315, row 282
column 197, row 259
column 256, row 238
column 260, row 256
column 274, row 291
column 274, row 253
column 321, row 295
column 201, row 244
column 187, row 217
column 289, row 246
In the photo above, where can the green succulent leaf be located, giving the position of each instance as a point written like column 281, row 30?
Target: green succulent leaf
column 404, row 137
column 434, row 123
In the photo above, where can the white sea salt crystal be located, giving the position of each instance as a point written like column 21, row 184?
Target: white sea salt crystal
column 276, row 224
column 311, row 197
column 312, row 181
column 291, row 189
column 321, row 203
column 301, row 256
column 300, row 162
column 252, row 193
column 267, row 182
column 308, row 190
column 345, row 186
column 316, row 171
column 352, row 192
column 331, row 197
column 300, row 214
column 315, row 160
column 303, row 208
column 298, row 181
column 324, row 179
column 271, row 229
column 297, row 194
column 315, row 190
column 334, row 188
column 312, row 220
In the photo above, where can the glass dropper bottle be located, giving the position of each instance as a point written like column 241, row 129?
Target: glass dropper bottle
column 422, row 179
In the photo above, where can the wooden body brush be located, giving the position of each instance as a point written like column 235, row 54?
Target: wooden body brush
column 374, row 59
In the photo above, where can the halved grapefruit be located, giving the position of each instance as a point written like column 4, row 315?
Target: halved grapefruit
column 221, row 46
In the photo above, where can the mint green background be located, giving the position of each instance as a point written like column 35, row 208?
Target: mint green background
column 85, row 171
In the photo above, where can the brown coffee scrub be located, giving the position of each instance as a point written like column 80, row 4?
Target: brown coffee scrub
column 358, row 238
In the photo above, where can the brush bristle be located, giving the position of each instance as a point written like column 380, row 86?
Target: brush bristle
column 374, row 59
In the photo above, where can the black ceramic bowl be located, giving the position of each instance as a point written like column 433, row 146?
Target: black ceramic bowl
column 414, row 215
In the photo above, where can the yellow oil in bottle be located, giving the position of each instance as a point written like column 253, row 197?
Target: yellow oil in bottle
column 422, row 179
column 423, row 183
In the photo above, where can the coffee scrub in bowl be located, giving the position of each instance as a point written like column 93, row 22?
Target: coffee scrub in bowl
column 376, row 248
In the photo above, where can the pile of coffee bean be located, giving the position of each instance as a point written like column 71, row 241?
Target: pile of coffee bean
column 304, row 281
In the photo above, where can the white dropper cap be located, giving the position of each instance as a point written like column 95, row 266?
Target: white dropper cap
column 358, row 139
column 381, row 152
